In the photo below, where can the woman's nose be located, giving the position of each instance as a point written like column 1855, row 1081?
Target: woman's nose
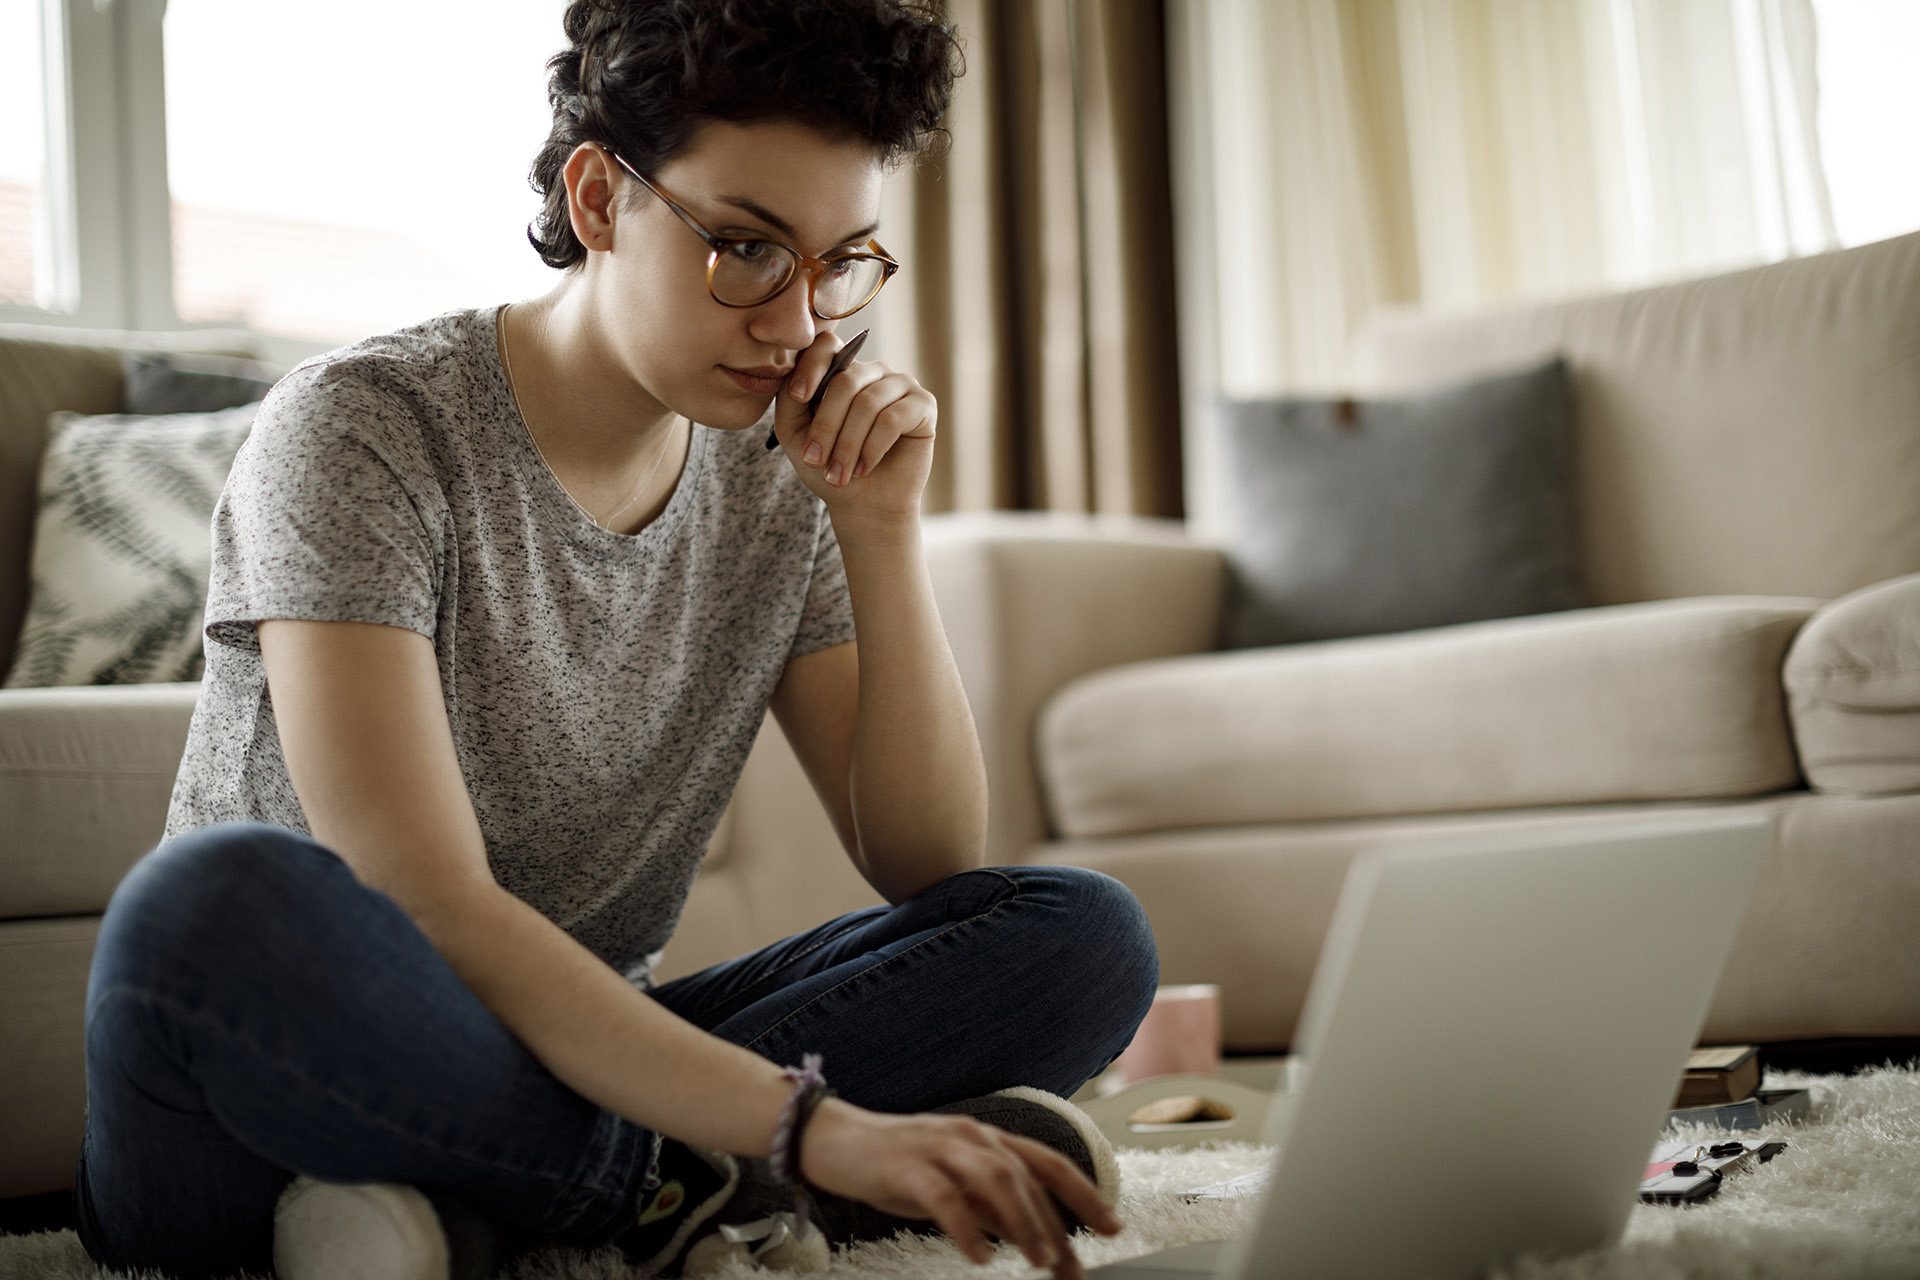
column 787, row 319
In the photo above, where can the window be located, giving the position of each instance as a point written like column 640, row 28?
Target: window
column 27, row 274
column 377, row 178
column 1869, row 104
column 329, row 171
column 320, row 174
column 89, row 165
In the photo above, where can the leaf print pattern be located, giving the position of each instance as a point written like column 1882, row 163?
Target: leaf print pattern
column 122, row 547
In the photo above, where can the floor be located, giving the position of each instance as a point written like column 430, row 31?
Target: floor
column 54, row 1211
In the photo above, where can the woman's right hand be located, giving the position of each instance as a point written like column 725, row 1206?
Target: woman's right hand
column 970, row 1178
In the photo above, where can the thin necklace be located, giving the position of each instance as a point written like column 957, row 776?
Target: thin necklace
column 506, row 363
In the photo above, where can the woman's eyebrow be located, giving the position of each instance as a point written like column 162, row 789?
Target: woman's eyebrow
column 785, row 228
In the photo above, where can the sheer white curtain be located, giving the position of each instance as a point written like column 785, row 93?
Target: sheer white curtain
column 1332, row 156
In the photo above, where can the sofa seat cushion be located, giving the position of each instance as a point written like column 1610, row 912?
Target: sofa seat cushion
column 1247, row 908
column 1827, row 946
column 84, row 780
column 1669, row 700
column 1853, row 684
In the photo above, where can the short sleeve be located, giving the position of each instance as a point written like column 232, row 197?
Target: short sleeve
column 331, row 513
column 827, row 619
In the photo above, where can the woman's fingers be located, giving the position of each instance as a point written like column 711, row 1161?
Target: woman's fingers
column 1013, row 1203
column 845, row 419
column 846, row 416
column 861, row 430
column 867, row 409
column 1012, row 1196
column 1064, row 1179
column 790, row 407
column 811, row 366
column 972, row 1180
column 943, row 1201
column 912, row 414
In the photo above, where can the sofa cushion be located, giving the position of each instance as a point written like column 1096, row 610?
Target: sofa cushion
column 1753, row 433
column 1853, row 684
column 84, row 779
column 1353, row 518
column 122, row 547
column 43, row 369
column 1247, row 908
column 169, row 382
column 1826, row 947
column 1671, row 700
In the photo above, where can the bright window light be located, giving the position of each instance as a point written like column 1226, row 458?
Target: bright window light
column 1869, row 115
column 344, row 170
column 24, row 240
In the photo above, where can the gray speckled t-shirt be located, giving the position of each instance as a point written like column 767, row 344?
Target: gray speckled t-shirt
column 603, row 689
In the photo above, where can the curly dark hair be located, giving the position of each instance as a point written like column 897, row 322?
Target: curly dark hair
column 639, row 76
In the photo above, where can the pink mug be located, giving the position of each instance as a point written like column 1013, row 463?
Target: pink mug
column 1179, row 1036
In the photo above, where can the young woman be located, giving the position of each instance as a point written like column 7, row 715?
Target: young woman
column 498, row 603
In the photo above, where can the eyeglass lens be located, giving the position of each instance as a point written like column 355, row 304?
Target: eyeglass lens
column 748, row 273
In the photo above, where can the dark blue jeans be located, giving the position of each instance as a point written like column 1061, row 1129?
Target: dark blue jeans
column 254, row 1012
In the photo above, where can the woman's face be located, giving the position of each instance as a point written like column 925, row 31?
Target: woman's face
column 721, row 366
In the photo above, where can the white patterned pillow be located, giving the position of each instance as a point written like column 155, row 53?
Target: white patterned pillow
column 122, row 545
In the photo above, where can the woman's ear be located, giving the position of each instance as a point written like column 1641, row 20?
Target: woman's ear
column 589, row 176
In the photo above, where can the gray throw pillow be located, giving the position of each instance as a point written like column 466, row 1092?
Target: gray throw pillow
column 123, row 545
column 163, row 382
column 1359, row 517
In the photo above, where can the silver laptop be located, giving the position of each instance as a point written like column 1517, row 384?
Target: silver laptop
column 1491, row 1041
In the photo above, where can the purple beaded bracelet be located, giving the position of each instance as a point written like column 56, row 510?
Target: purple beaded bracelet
column 809, row 1087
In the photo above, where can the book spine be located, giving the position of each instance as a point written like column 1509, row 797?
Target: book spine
column 1744, row 1114
column 1765, row 1107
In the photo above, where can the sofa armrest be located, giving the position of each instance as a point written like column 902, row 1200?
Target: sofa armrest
column 775, row 866
column 1029, row 602
column 1853, row 687
column 1032, row 601
column 85, row 777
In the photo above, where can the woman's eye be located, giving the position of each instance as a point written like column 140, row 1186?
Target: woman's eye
column 754, row 252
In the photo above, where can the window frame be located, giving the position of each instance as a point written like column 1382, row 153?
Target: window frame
column 106, row 174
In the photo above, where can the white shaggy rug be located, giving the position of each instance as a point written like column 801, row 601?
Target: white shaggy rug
column 1843, row 1203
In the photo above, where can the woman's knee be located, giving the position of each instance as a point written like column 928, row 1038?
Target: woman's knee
column 1107, row 939
column 210, row 890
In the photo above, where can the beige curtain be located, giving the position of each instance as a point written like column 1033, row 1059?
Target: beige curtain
column 1455, row 153
column 1332, row 157
column 1037, row 300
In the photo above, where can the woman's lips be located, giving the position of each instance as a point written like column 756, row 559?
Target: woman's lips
column 762, row 382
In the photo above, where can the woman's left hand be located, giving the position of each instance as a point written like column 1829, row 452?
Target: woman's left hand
column 868, row 450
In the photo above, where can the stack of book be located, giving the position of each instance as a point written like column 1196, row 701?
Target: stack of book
column 1721, row 1087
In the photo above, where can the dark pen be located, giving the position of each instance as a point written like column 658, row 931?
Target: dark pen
column 841, row 359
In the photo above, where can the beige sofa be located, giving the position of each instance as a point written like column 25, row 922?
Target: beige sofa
column 1750, row 460
column 1749, row 463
